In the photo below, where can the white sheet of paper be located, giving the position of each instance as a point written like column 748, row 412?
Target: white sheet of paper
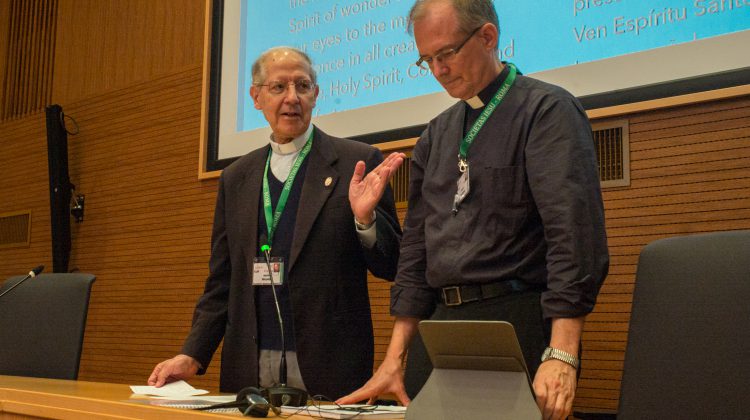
column 174, row 389
column 214, row 399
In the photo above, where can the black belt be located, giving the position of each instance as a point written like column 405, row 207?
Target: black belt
column 458, row 295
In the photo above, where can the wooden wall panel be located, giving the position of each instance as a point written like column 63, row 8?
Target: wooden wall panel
column 28, row 46
column 129, row 72
column 5, row 19
column 25, row 186
column 146, row 233
column 690, row 173
column 109, row 44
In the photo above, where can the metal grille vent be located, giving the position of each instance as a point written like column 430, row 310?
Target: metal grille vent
column 400, row 182
column 15, row 229
column 612, row 152
column 30, row 55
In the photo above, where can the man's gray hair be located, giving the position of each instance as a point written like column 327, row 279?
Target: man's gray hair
column 259, row 66
column 471, row 13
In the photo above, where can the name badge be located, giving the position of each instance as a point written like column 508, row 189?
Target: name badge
column 462, row 190
column 260, row 271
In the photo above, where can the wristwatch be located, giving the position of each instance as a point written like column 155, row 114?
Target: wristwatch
column 553, row 353
column 362, row 226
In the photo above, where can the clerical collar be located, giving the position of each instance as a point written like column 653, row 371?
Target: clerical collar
column 485, row 96
column 293, row 146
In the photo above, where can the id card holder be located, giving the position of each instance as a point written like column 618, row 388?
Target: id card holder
column 462, row 190
column 260, row 271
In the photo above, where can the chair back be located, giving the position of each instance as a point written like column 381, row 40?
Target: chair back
column 42, row 322
column 689, row 337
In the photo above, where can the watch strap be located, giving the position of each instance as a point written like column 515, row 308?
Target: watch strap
column 553, row 353
column 362, row 226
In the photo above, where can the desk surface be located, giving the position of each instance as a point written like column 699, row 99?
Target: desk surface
column 37, row 398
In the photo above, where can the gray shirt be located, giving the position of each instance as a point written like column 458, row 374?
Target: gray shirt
column 534, row 212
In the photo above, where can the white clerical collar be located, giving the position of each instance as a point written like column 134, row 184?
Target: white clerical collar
column 293, row 146
column 475, row 102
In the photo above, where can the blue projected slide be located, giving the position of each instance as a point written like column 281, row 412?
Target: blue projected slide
column 364, row 56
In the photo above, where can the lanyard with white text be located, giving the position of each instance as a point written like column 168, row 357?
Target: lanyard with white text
column 467, row 141
column 272, row 221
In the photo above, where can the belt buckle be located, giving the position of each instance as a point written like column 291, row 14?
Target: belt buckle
column 454, row 292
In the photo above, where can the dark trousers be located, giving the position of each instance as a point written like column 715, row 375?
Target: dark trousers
column 523, row 310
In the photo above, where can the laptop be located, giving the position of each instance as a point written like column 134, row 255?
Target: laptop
column 478, row 372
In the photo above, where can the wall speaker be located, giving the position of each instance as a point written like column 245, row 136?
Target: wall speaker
column 60, row 188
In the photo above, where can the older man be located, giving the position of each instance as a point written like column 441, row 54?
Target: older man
column 306, row 195
column 505, row 218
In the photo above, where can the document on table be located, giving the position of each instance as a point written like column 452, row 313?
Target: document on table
column 174, row 389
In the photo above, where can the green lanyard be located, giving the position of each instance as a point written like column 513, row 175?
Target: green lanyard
column 273, row 221
column 467, row 141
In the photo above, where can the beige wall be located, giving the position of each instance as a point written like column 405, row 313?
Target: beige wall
column 129, row 72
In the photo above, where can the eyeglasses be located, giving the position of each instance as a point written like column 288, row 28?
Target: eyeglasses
column 277, row 87
column 444, row 56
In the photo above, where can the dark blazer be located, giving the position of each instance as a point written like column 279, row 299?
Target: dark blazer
column 327, row 272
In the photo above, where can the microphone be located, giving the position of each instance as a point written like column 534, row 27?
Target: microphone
column 282, row 394
column 33, row 273
column 249, row 402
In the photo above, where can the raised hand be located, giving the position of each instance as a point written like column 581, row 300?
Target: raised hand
column 365, row 191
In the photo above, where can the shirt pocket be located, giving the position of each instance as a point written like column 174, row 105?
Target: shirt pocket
column 505, row 198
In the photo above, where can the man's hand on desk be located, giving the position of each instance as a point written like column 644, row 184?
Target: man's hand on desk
column 179, row 367
column 389, row 378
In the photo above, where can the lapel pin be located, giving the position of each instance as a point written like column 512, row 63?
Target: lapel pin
column 328, row 182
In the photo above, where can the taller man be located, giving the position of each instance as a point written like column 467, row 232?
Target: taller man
column 307, row 196
column 505, row 218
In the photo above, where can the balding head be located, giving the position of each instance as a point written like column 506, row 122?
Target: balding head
column 471, row 14
column 276, row 53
